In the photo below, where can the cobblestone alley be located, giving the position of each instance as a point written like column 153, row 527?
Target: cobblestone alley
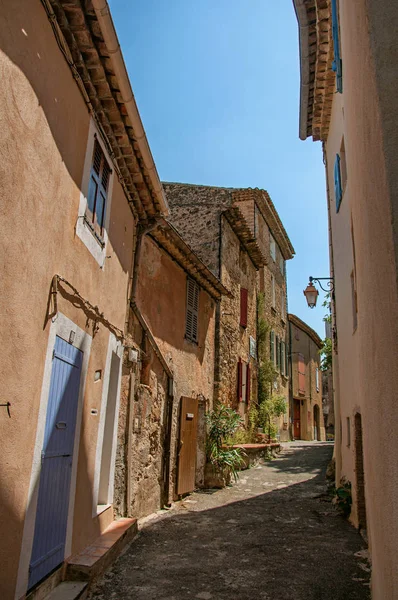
column 274, row 534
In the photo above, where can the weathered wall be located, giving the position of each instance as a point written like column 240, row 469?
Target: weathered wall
column 237, row 271
column 302, row 343
column 195, row 211
column 368, row 378
column 161, row 296
column 44, row 124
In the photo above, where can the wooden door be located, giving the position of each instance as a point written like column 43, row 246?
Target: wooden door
column 187, row 445
column 296, row 420
column 56, row 462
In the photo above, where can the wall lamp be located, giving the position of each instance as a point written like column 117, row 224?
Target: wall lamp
column 311, row 293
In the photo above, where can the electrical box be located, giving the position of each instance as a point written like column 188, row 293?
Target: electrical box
column 133, row 355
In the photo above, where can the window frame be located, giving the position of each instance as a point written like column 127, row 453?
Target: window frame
column 272, row 247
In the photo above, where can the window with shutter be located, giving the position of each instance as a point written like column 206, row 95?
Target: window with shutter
column 301, row 374
column 273, row 298
column 248, row 383
column 272, row 347
column 192, row 317
column 337, row 65
column 243, row 307
column 239, row 389
column 278, row 354
column 283, row 358
column 338, row 191
column 287, row 361
column 272, row 247
column 317, row 379
column 283, row 315
column 97, row 191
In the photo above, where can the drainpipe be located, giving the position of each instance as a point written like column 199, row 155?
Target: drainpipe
column 113, row 48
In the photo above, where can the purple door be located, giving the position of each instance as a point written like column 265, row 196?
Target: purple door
column 56, row 462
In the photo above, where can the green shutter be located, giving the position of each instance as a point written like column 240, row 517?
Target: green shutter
column 338, row 191
column 272, row 347
column 337, row 65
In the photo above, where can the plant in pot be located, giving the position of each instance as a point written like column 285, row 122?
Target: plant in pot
column 222, row 461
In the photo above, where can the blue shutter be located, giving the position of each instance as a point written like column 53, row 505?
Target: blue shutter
column 338, row 192
column 337, row 63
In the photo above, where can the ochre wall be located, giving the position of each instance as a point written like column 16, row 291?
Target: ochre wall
column 44, row 124
column 367, row 113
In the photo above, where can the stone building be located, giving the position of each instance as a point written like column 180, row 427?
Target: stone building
column 239, row 236
column 171, row 335
column 349, row 87
column 305, row 382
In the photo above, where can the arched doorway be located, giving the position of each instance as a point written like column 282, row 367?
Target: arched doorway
column 317, row 433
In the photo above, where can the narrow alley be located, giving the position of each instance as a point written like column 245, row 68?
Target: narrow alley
column 274, row 534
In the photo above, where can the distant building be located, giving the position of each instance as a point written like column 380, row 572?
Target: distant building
column 305, row 382
column 349, row 90
column 239, row 236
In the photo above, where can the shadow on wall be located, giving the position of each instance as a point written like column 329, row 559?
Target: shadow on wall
column 284, row 544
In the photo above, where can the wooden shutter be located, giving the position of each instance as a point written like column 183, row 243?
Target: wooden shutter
column 283, row 358
column 278, row 354
column 191, row 328
column 337, row 65
column 273, row 291
column 301, row 374
column 98, row 190
column 272, row 346
column 338, row 192
column 248, row 383
column 239, row 391
column 243, row 307
column 287, row 361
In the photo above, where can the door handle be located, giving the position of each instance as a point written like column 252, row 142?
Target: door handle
column 61, row 425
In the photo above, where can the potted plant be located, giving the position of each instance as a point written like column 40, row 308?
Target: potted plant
column 222, row 461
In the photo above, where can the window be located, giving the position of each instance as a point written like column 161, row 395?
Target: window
column 283, row 358
column 272, row 247
column 244, row 381
column 348, row 432
column 317, row 379
column 278, row 354
column 338, row 190
column 343, row 166
column 337, row 65
column 97, row 191
column 243, row 307
column 283, row 308
column 273, row 299
column 301, row 374
column 272, row 346
column 191, row 327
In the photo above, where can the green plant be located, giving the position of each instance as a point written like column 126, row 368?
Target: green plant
column 343, row 497
column 222, row 424
column 327, row 348
column 269, row 409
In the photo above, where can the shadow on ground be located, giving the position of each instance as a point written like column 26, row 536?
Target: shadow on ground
column 287, row 544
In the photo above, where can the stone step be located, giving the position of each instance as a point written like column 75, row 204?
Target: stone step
column 93, row 561
column 69, row 590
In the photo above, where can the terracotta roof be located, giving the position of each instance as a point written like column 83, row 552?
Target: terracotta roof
column 84, row 33
column 245, row 235
column 316, row 56
column 270, row 214
column 306, row 329
column 168, row 238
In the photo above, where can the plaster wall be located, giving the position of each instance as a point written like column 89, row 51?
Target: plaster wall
column 368, row 376
column 302, row 343
column 45, row 125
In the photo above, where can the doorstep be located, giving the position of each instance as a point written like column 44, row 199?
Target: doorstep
column 93, row 561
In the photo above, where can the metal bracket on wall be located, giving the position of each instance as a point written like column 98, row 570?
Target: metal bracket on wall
column 7, row 404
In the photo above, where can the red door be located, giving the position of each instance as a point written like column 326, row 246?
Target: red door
column 296, row 420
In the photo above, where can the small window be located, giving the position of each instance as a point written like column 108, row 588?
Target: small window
column 272, row 247
column 348, row 432
column 243, row 307
column 338, row 190
column 244, row 381
column 273, row 298
column 97, row 191
column 191, row 328
column 337, row 65
column 317, row 379
column 272, row 346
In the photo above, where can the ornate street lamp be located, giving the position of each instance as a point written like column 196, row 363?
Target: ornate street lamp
column 311, row 293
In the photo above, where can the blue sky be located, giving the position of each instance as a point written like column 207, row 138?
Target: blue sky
column 217, row 86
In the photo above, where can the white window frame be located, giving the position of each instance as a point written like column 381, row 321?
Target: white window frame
column 83, row 231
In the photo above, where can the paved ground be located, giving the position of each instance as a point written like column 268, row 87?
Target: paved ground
column 274, row 535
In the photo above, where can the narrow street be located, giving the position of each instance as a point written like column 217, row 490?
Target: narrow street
column 274, row 534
